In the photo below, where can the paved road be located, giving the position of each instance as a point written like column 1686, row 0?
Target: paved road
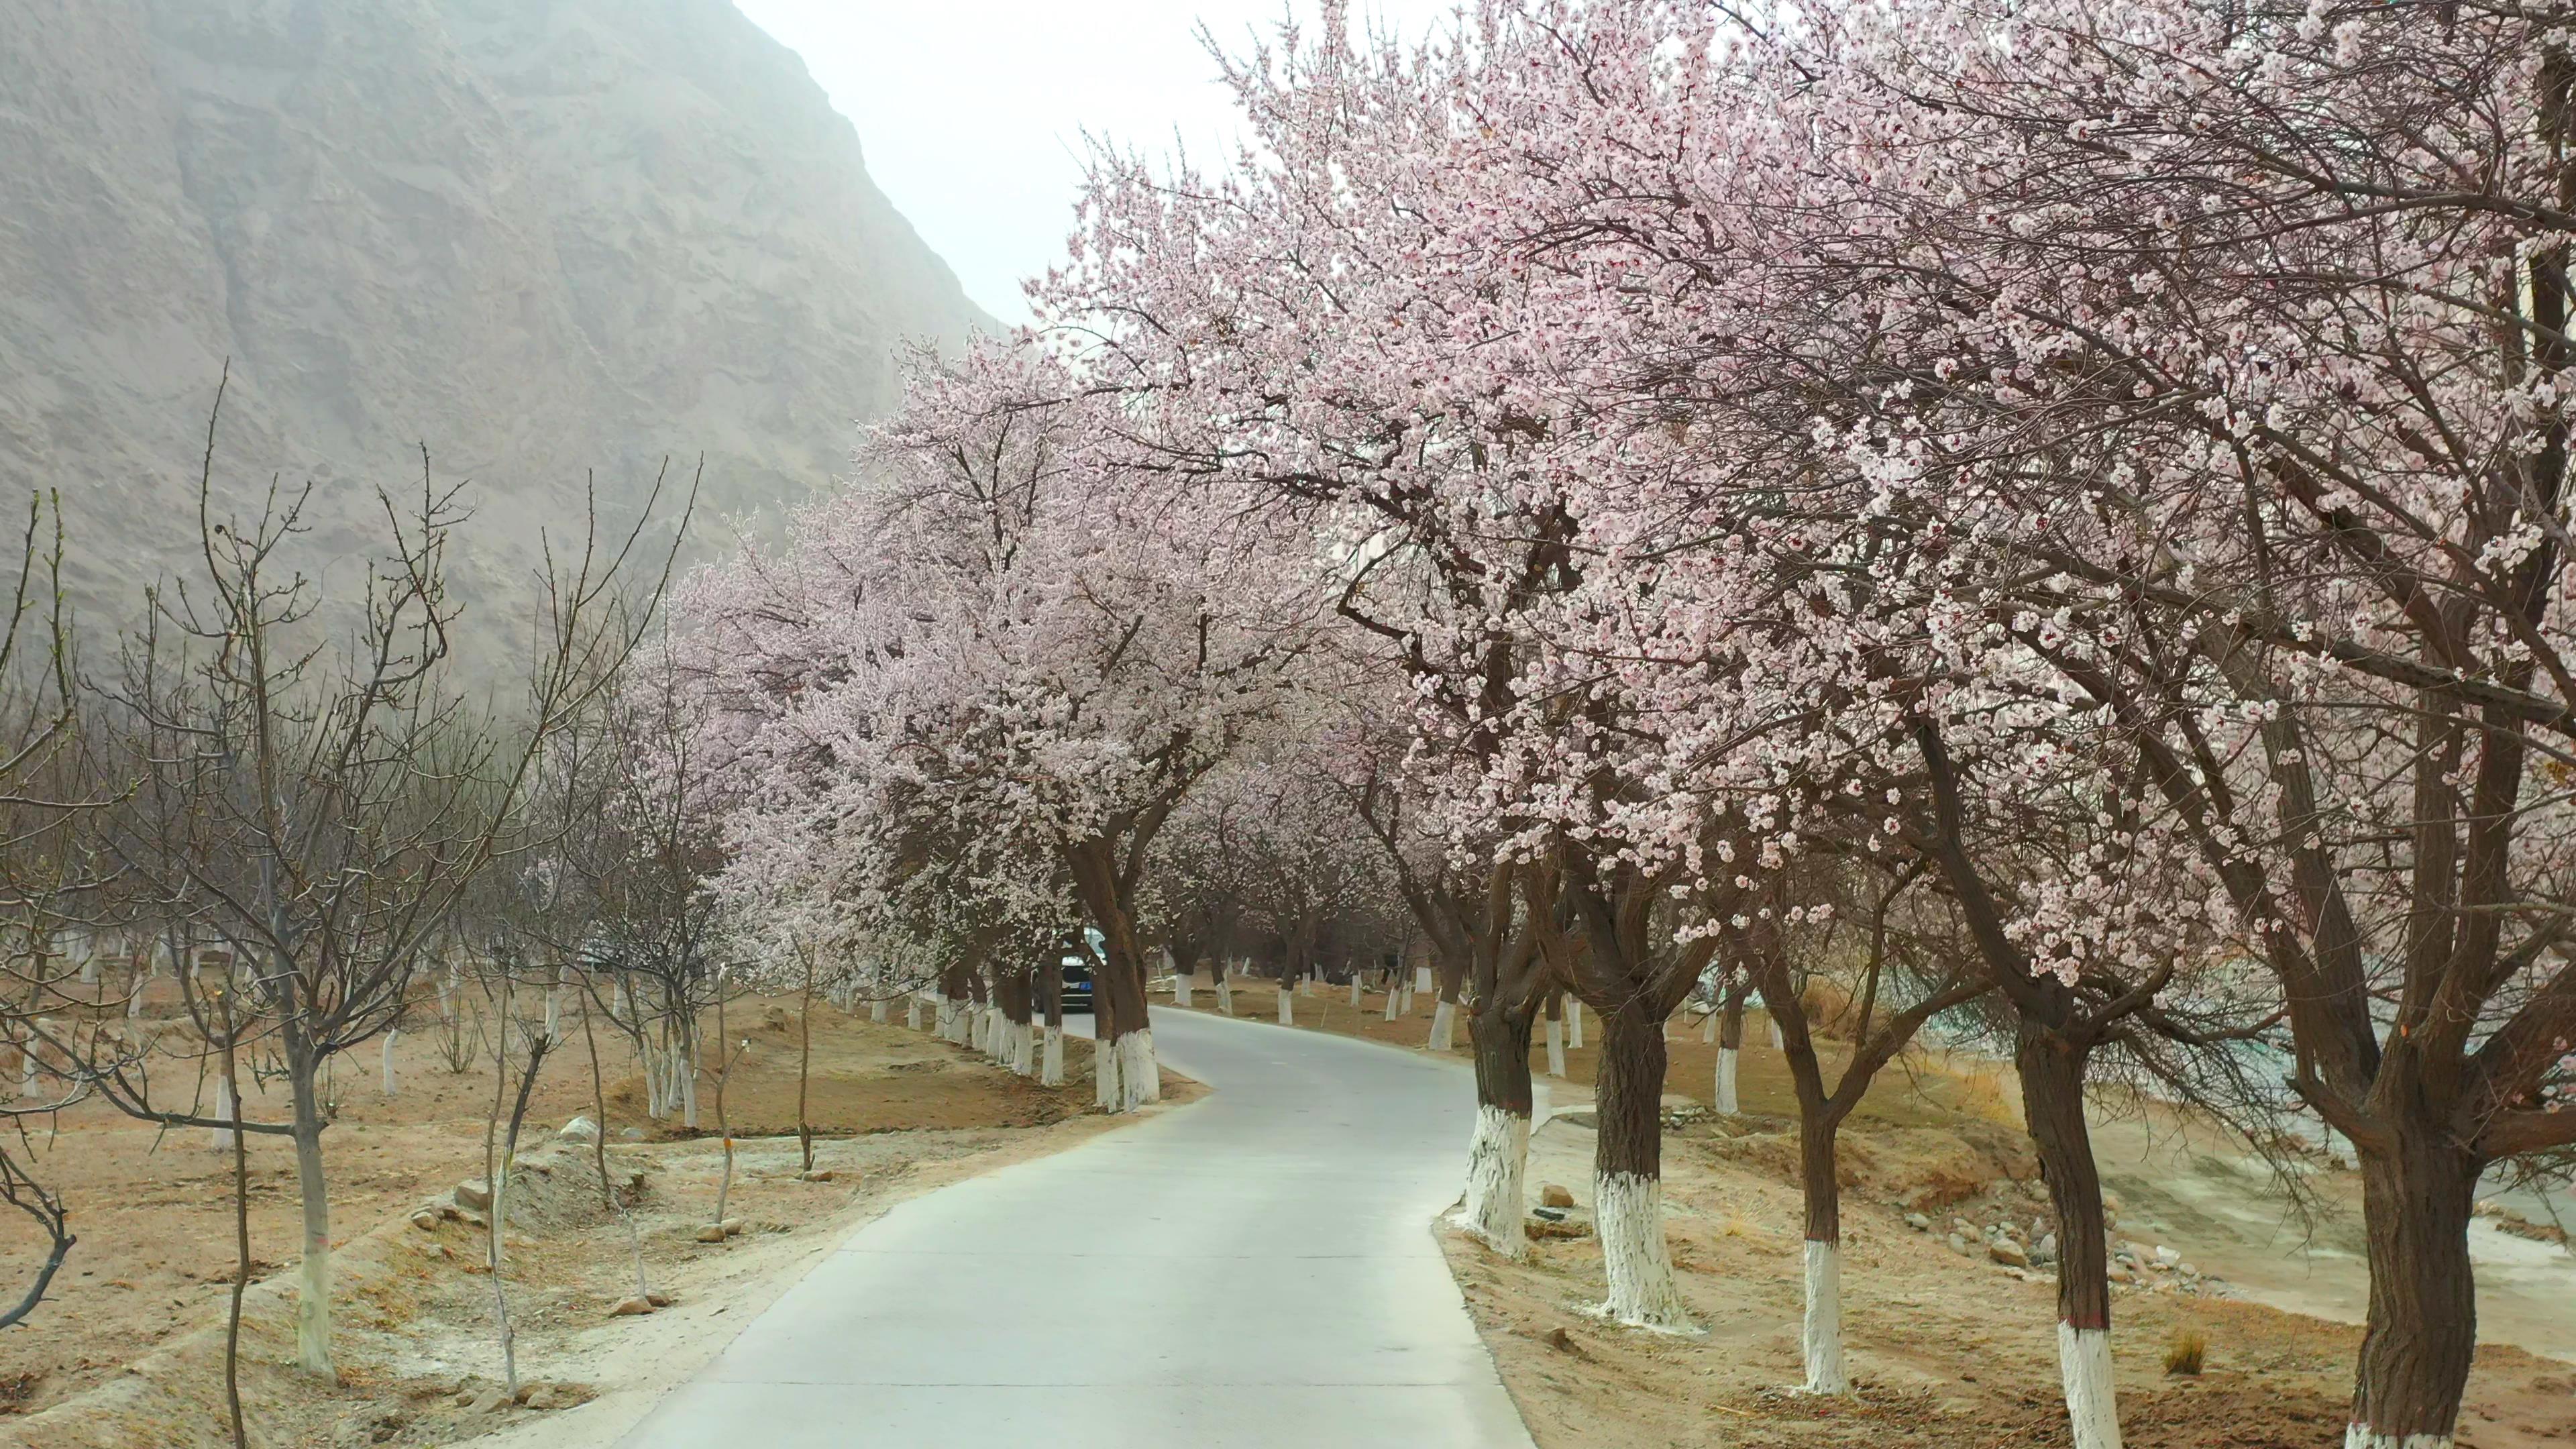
column 1250, row 1271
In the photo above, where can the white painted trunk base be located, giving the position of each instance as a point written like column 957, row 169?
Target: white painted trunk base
column 1775, row 1034
column 1444, row 1026
column 1725, row 1095
column 1421, row 978
column 1104, row 1077
column 1574, row 1024
column 1051, row 1063
column 877, row 1011
column 389, row 1060
column 1180, row 988
column 222, row 1137
column 1497, row 1157
column 1824, row 1326
column 1225, row 992
column 1355, row 989
column 2084, row 1365
column 1555, row 1047
column 1393, row 997
column 2362, row 1436
column 1024, row 1048
column 1140, row 1072
column 912, row 1012
column 1287, row 1012
column 313, row 1311
column 1628, row 1214
column 1128, row 1075
column 1708, row 1029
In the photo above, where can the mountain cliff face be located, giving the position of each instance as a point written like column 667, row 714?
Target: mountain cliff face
column 547, row 240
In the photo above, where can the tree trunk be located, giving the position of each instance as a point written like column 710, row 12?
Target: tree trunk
column 2416, row 1196
column 1730, row 1045
column 688, row 1067
column 1124, row 1057
column 1051, row 1061
column 1628, row 1170
column 1287, row 1007
column 1555, row 1035
column 313, row 1275
column 1498, row 1154
column 2052, row 1091
column 1573, row 1023
column 1451, row 977
column 390, row 1036
column 804, row 1068
column 1817, row 1180
column 227, row 1107
column 241, row 1240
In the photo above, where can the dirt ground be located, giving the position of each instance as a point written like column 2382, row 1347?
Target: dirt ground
column 128, row 1348
column 1951, row 1349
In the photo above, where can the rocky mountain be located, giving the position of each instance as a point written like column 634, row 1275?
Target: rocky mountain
column 548, row 240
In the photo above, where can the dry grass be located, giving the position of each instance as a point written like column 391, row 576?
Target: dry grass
column 2187, row 1351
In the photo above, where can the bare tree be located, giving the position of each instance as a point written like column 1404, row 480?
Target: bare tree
column 321, row 807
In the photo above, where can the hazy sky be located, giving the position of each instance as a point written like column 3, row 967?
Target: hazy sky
column 972, row 111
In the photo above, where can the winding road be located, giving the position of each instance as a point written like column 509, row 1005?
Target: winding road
column 1256, row 1269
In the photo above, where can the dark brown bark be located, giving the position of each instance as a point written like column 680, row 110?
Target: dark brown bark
column 1011, row 991
column 1629, row 1092
column 1817, row 1181
column 2416, row 1195
column 2052, row 1094
column 1118, row 988
column 1502, row 1042
column 1730, row 1023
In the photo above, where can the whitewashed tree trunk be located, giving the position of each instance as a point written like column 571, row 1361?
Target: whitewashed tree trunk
column 1287, row 1012
column 912, row 1011
column 2084, row 1367
column 390, row 1036
column 1628, row 1214
column 1573, row 1024
column 1444, row 1026
column 1724, row 1100
column 1051, row 1068
column 29, row 1089
column 1181, row 988
column 1422, row 978
column 1555, row 1047
column 1355, row 988
column 222, row 1137
column 1225, row 992
column 554, row 1013
column 1024, row 1058
column 689, row 1084
column 1392, row 997
column 1140, row 1075
column 877, row 1011
column 1708, row 1028
column 1105, row 1093
column 1823, row 1334
column 1497, row 1159
column 1775, row 1031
